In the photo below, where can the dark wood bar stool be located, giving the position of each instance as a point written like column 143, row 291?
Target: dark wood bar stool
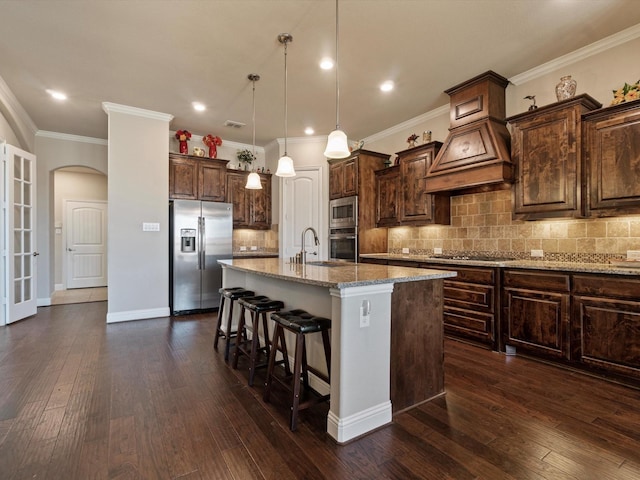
column 300, row 323
column 232, row 294
column 257, row 306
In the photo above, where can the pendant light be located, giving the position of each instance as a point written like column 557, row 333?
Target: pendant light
column 285, row 164
column 337, row 146
column 253, row 180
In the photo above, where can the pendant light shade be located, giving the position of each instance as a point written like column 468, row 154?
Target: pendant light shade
column 285, row 163
column 253, row 180
column 337, row 146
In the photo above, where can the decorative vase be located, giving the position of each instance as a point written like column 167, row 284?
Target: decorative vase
column 213, row 151
column 184, row 149
column 566, row 88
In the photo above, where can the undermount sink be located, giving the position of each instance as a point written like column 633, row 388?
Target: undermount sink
column 329, row 263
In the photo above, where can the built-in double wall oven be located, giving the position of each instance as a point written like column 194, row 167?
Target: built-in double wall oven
column 343, row 229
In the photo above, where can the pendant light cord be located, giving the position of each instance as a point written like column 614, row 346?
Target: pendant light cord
column 286, row 117
column 253, row 81
column 337, row 74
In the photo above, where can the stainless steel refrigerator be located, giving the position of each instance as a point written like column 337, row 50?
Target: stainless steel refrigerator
column 201, row 234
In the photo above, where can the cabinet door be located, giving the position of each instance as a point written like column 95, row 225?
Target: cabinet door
column 612, row 139
column 336, row 181
column 350, row 177
column 211, row 182
column 236, row 195
column 387, row 196
column 183, row 178
column 416, row 205
column 260, row 205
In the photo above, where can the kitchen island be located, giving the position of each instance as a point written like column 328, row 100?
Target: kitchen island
column 386, row 332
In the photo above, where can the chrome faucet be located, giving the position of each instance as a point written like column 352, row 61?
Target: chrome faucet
column 303, row 253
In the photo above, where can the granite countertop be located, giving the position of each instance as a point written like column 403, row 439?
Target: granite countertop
column 338, row 275
column 604, row 268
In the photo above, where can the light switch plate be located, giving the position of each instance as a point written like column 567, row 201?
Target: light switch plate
column 243, row 249
column 254, row 248
column 537, row 253
column 150, row 227
column 437, row 251
column 405, row 250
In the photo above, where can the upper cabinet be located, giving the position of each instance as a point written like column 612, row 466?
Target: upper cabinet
column 251, row 208
column 612, row 160
column 546, row 148
column 401, row 198
column 417, row 206
column 196, row 178
column 343, row 178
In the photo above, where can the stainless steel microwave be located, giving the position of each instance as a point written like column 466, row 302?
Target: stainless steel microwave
column 343, row 212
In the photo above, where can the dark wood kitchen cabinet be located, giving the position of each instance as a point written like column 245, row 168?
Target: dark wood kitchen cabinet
column 343, row 178
column 546, row 148
column 537, row 312
column 416, row 206
column 612, row 160
column 606, row 324
column 388, row 191
column 197, row 178
column 471, row 303
column 251, row 208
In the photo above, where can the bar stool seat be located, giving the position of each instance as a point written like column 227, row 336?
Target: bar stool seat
column 232, row 294
column 300, row 323
column 257, row 306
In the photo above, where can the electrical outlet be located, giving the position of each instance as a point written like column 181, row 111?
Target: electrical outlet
column 537, row 253
column 243, row 249
column 437, row 251
column 633, row 255
column 254, row 248
column 405, row 250
column 365, row 314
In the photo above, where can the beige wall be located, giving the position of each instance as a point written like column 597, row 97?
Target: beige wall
column 482, row 222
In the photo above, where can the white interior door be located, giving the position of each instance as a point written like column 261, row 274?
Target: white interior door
column 86, row 244
column 19, row 234
column 302, row 207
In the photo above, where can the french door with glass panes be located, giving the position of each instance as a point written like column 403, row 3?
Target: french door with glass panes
column 19, row 234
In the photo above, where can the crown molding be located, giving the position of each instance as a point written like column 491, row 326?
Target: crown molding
column 71, row 138
column 17, row 117
column 412, row 122
column 109, row 107
column 611, row 41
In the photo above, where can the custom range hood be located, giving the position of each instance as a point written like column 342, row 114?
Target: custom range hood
column 476, row 154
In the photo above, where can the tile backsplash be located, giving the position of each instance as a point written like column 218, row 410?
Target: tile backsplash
column 264, row 240
column 481, row 223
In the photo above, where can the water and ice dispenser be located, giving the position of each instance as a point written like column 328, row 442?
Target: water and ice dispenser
column 187, row 239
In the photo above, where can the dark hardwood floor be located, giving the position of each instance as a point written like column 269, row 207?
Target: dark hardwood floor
column 150, row 399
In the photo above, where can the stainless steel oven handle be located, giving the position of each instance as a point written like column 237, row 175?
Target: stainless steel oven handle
column 342, row 237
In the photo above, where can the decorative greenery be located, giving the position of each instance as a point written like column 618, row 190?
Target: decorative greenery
column 210, row 140
column 412, row 138
column 627, row 93
column 245, row 156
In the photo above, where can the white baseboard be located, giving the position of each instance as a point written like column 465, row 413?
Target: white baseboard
column 59, row 286
column 348, row 428
column 43, row 302
column 130, row 315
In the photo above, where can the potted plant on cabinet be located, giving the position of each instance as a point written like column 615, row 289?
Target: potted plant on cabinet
column 245, row 157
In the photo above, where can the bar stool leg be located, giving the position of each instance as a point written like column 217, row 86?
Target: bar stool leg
column 278, row 334
column 227, row 346
column 255, row 344
column 299, row 362
column 219, row 322
column 241, row 336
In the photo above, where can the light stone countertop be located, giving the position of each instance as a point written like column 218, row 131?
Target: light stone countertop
column 576, row 267
column 339, row 275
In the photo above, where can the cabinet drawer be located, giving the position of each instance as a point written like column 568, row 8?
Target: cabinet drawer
column 469, row 296
column 610, row 286
column 468, row 324
column 483, row 276
column 537, row 281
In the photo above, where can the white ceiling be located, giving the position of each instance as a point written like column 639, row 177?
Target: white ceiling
column 162, row 55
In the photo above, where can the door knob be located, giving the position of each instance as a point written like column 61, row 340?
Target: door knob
column 35, row 254
column 71, row 249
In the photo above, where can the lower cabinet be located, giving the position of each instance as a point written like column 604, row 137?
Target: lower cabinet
column 606, row 324
column 536, row 312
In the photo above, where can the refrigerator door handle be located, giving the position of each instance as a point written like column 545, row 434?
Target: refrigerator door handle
column 203, row 238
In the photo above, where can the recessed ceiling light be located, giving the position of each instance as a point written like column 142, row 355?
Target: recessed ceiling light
column 199, row 107
column 386, row 86
column 57, row 95
column 309, row 131
column 326, row 63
